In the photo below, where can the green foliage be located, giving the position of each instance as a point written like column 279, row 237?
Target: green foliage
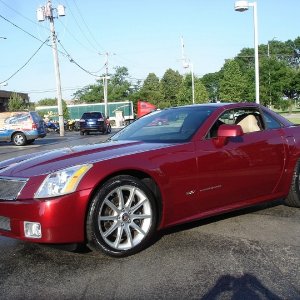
column 232, row 83
column 211, row 82
column 47, row 102
column 16, row 103
column 53, row 102
column 279, row 79
column 150, row 90
column 185, row 93
column 170, row 85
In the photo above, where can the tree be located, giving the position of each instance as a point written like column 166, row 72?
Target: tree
column 233, row 83
column 185, row 93
column 118, row 85
column 150, row 90
column 90, row 94
column 170, row 85
column 211, row 82
column 16, row 103
column 47, row 102
column 53, row 102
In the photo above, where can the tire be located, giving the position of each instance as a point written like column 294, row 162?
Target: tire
column 19, row 139
column 81, row 132
column 293, row 198
column 122, row 217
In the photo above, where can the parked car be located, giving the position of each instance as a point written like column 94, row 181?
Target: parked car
column 21, row 128
column 94, row 122
column 115, row 196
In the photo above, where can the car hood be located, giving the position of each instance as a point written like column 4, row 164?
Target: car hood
column 50, row 161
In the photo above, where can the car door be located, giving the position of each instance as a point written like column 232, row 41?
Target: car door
column 245, row 169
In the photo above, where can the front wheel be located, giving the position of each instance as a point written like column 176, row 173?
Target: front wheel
column 19, row 139
column 122, row 217
column 293, row 198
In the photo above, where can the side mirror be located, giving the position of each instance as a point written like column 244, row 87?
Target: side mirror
column 225, row 132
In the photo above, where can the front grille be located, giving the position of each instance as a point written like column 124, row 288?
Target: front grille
column 10, row 188
column 5, row 223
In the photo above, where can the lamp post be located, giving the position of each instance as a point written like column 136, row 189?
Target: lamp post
column 242, row 6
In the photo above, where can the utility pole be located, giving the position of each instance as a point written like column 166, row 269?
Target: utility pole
column 46, row 12
column 187, row 64
column 105, row 83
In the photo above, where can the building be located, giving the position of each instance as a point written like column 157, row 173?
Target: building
column 6, row 95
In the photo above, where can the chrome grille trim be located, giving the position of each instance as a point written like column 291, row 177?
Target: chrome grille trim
column 10, row 188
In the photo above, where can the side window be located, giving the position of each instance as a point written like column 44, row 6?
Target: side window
column 249, row 119
column 271, row 123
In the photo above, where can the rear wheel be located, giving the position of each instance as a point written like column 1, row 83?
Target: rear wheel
column 19, row 139
column 122, row 217
column 293, row 198
column 81, row 132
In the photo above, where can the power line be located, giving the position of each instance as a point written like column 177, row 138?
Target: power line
column 21, row 29
column 80, row 28
column 73, row 61
column 15, row 73
column 84, row 22
column 64, row 54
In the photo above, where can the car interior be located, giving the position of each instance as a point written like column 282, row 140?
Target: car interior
column 250, row 120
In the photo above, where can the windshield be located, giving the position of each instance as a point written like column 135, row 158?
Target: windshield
column 172, row 125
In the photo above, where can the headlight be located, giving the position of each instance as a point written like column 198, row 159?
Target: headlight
column 62, row 182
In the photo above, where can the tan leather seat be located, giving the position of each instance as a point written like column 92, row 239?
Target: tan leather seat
column 249, row 124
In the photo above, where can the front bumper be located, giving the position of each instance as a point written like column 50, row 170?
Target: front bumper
column 62, row 219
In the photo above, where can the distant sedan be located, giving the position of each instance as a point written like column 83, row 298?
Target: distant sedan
column 203, row 160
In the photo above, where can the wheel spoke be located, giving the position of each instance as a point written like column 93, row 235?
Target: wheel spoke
column 111, row 229
column 139, row 217
column 131, row 197
column 112, row 206
column 108, row 218
column 121, row 198
column 119, row 236
column 138, row 205
column 129, row 236
column 138, row 228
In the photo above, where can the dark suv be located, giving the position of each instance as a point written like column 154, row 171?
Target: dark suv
column 93, row 122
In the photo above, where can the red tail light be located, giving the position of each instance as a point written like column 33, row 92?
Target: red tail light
column 34, row 126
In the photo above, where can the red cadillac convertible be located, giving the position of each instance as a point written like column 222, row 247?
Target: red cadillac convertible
column 114, row 196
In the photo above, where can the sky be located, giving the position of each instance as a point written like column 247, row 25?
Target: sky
column 144, row 36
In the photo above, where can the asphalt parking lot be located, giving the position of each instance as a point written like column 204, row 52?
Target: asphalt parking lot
column 250, row 254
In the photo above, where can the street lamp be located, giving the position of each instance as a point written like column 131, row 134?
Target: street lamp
column 242, row 6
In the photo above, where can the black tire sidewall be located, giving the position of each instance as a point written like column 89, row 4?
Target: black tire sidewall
column 94, row 238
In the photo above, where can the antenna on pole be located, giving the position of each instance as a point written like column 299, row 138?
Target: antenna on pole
column 187, row 64
column 184, row 60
